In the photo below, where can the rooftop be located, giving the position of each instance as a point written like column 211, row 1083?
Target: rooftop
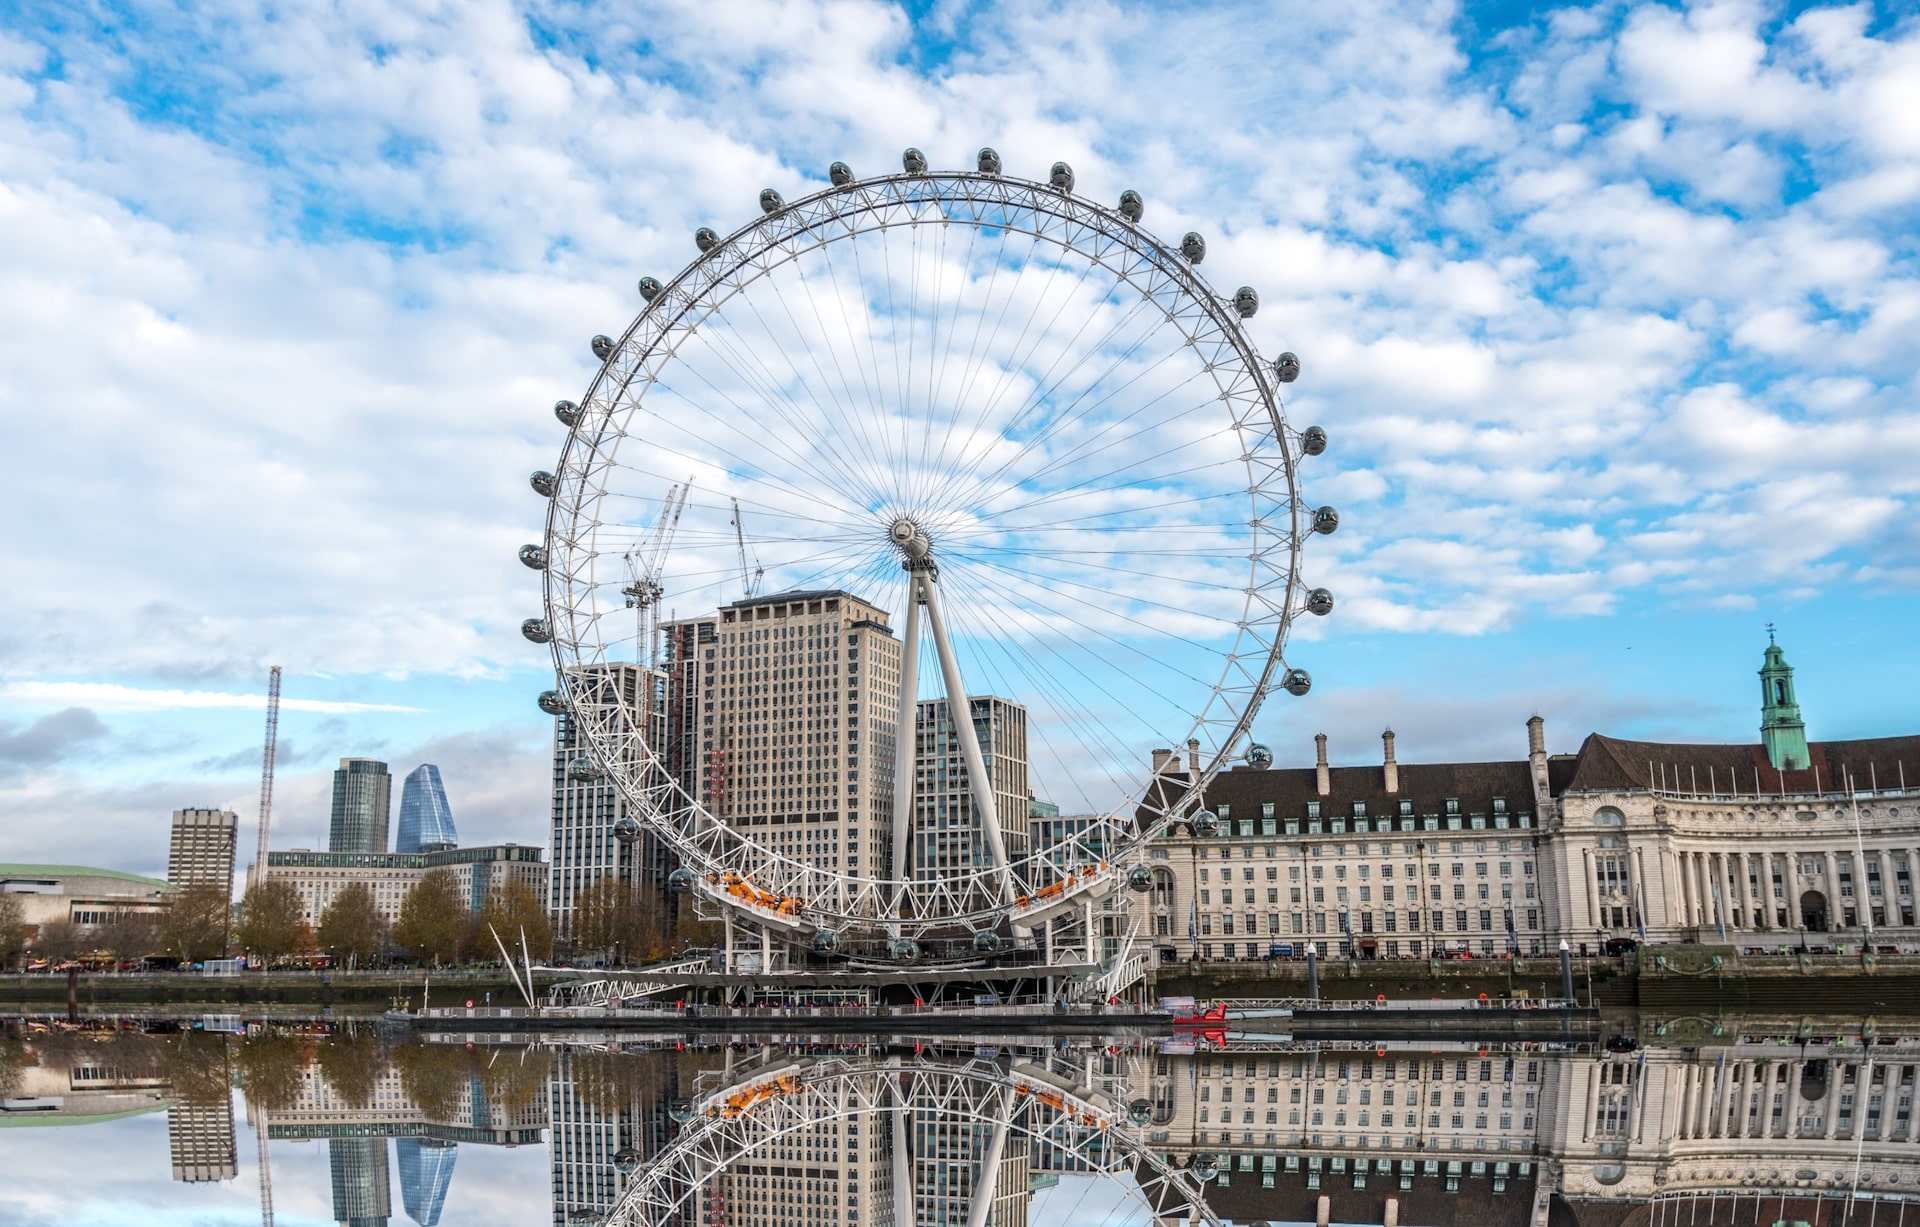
column 77, row 871
column 1612, row 764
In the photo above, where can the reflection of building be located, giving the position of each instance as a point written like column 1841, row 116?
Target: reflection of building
column 319, row 876
column 85, row 896
column 200, row 1140
column 83, row 1087
column 594, row 1151
column 358, row 1168
column 200, row 851
column 836, row 1173
column 949, row 1153
column 793, row 701
column 426, row 820
column 946, row 832
column 361, row 803
column 625, row 700
column 426, row 1171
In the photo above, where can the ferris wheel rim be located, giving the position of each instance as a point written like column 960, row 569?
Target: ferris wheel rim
column 583, row 470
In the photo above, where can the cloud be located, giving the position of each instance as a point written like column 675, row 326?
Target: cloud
column 113, row 697
column 49, row 739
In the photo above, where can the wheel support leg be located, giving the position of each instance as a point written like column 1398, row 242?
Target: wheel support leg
column 961, row 712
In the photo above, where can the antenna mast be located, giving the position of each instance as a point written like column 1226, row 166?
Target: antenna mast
column 266, row 775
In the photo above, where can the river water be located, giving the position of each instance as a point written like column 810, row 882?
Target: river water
column 1753, row 1125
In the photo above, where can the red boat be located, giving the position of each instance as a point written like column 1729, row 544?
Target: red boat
column 1208, row 1021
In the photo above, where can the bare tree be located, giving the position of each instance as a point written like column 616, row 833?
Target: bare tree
column 196, row 924
column 14, row 930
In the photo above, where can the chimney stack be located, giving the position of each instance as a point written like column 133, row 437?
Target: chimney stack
column 1320, row 776
column 1537, row 762
column 1162, row 759
column 1193, row 758
column 1393, row 768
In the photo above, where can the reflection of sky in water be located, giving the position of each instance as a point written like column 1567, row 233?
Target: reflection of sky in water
column 119, row 1174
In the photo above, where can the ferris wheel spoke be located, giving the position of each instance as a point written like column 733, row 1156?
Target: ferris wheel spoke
column 1046, row 581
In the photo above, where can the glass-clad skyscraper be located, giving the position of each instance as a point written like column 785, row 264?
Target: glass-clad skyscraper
column 426, row 1171
column 362, row 792
column 426, row 821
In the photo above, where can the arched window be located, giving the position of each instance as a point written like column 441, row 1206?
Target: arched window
column 1779, row 690
column 1163, row 887
column 1608, row 816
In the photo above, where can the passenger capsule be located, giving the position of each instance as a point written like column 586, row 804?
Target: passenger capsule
column 583, row 769
column 1313, row 441
column 1193, row 247
column 542, row 483
column 650, row 288
column 1286, row 368
column 1061, row 176
column 770, row 201
column 840, row 174
column 1319, row 602
column 533, row 557
column 535, row 630
column 905, row 950
column 826, row 941
column 680, row 1111
column 1246, row 300
column 567, row 412
column 1325, row 520
column 1297, row 682
column 626, row 828
column 551, row 703
column 1140, row 1112
column 1140, row 878
column 603, row 347
column 1204, row 1167
column 705, row 239
column 986, row 942
column 680, row 881
column 988, row 162
column 916, row 164
column 1259, row 757
column 1131, row 206
column 1206, row 823
column 626, row 1161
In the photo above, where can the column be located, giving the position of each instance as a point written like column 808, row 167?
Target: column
column 1790, row 1117
column 1701, row 900
column 1889, row 888
column 1832, row 890
column 1592, row 885
column 1637, row 888
column 1744, row 866
column 1682, row 872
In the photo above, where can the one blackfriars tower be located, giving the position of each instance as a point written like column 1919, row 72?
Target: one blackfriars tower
column 426, row 821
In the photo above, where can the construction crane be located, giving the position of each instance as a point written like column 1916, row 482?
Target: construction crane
column 644, row 563
column 260, row 1132
column 749, row 586
column 266, row 777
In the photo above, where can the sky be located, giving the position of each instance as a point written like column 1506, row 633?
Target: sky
column 1608, row 312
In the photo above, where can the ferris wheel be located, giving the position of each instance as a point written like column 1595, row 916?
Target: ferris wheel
column 1028, row 439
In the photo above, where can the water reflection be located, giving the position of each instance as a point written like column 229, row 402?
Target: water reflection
column 362, row 1130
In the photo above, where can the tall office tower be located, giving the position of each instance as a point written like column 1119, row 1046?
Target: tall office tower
column 628, row 699
column 792, row 700
column 946, row 831
column 200, row 1140
column 200, row 852
column 835, row 1173
column 358, row 1166
column 362, row 790
column 948, row 1160
column 426, row 821
column 426, row 1172
column 592, row 1140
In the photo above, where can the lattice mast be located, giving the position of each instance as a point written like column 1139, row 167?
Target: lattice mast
column 266, row 791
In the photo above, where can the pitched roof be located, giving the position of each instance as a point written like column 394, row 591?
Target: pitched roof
column 77, row 871
column 1428, row 785
column 1612, row 764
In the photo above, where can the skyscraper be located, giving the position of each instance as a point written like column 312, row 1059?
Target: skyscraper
column 200, row 1140
column 426, row 1172
column 200, row 852
column 946, row 831
column 362, row 792
column 625, row 698
column 426, row 821
column 361, row 1195
column 785, row 707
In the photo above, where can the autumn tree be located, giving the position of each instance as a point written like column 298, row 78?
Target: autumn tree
column 619, row 921
column 272, row 1069
column 513, row 909
column 352, row 1065
column 433, row 918
column 433, row 1077
column 352, row 928
column 270, row 925
column 196, row 924
column 14, row 929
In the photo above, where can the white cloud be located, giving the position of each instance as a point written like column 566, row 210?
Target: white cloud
column 107, row 696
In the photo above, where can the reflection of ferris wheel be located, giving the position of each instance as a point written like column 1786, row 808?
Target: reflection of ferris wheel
column 954, row 1130
column 1031, row 437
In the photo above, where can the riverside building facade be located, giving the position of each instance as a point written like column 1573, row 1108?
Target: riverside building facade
column 201, row 846
column 589, row 815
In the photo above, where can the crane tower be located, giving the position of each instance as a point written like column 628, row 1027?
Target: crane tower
column 266, row 773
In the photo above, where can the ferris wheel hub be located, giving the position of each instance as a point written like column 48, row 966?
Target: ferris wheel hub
column 910, row 539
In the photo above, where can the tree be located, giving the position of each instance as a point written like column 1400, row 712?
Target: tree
column 619, row 921
column 513, row 909
column 272, row 1069
column 195, row 926
column 352, row 926
column 129, row 936
column 352, row 1065
column 60, row 939
column 433, row 1077
column 14, row 929
column 433, row 918
column 270, row 920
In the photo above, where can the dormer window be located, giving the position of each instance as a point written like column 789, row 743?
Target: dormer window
column 1313, row 809
column 1453, row 805
column 1359, row 809
column 1406, row 809
column 1499, row 805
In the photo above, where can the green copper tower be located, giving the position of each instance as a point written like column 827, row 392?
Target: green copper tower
column 1782, row 730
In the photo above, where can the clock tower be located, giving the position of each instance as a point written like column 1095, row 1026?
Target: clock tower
column 1781, row 730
